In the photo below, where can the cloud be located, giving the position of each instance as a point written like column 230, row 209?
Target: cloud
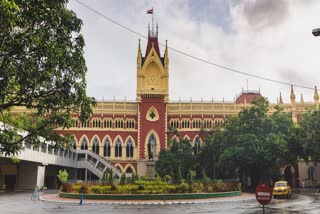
column 264, row 37
column 262, row 13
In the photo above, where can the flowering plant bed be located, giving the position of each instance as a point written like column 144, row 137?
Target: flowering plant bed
column 144, row 187
column 150, row 196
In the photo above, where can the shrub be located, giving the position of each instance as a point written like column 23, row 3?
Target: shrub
column 170, row 188
column 182, row 188
column 105, row 189
column 141, row 187
column 84, row 188
column 96, row 189
column 123, row 178
column 66, row 187
column 76, row 188
column 221, row 186
column 114, row 187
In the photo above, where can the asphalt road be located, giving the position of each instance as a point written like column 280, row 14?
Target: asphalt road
column 302, row 202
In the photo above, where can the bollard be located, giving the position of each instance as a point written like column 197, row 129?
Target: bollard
column 81, row 199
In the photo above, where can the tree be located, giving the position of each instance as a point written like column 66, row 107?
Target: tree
column 310, row 136
column 209, row 156
column 63, row 176
column 179, row 155
column 42, row 69
column 255, row 144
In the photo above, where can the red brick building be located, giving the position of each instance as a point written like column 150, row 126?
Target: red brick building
column 130, row 133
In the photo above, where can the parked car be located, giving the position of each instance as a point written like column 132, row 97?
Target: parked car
column 281, row 188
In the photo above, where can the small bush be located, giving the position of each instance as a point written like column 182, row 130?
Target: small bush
column 114, row 187
column 66, row 187
column 96, row 189
column 141, row 187
column 221, row 186
column 182, row 188
column 84, row 188
column 105, row 189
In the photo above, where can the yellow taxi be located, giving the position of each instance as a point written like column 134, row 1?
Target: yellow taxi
column 281, row 188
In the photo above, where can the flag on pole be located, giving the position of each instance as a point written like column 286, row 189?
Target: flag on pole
column 150, row 11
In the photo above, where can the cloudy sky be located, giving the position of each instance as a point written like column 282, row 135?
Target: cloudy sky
column 269, row 38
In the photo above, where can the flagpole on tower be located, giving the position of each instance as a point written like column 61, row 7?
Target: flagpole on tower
column 152, row 22
column 151, row 12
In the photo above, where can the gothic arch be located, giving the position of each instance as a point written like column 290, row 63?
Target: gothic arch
column 75, row 140
column 186, row 137
column 152, row 131
column 175, row 137
column 155, row 59
column 84, row 137
column 92, row 139
column 104, row 139
column 106, row 148
column 133, row 142
column 115, row 139
column 130, row 166
column 195, row 138
column 119, row 167
column 197, row 143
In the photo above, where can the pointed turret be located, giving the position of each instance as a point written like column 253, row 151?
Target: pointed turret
column 301, row 99
column 280, row 99
column 316, row 96
column 292, row 96
column 166, row 57
column 153, row 41
column 139, row 56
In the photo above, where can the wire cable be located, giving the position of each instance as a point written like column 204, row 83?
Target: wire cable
column 194, row 57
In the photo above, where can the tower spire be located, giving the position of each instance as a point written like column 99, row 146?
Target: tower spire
column 292, row 96
column 139, row 56
column 280, row 99
column 316, row 95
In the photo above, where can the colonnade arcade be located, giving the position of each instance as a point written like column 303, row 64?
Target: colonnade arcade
column 116, row 149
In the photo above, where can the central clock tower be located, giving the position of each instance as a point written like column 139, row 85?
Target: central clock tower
column 152, row 69
column 152, row 98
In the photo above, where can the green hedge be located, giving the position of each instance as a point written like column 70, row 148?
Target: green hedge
column 148, row 187
column 150, row 196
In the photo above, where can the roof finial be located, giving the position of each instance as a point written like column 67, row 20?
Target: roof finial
column 157, row 29
column 292, row 96
column 280, row 99
column 301, row 99
column 316, row 95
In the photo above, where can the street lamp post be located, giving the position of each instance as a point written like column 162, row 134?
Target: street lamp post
column 316, row 32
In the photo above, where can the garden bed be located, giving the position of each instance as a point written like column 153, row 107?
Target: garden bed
column 150, row 196
column 150, row 190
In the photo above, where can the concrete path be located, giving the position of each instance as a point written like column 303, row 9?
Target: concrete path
column 57, row 198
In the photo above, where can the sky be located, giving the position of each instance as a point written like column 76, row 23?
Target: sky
column 268, row 38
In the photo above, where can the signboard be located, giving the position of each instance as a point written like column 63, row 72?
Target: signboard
column 263, row 194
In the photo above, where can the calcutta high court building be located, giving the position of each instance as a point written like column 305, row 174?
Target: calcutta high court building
column 130, row 134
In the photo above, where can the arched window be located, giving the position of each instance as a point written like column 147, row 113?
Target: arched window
column 196, row 147
column 118, row 148
column 106, row 148
column 84, row 144
column 151, row 147
column 129, row 170
column 95, row 145
column 107, row 123
column 129, row 149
